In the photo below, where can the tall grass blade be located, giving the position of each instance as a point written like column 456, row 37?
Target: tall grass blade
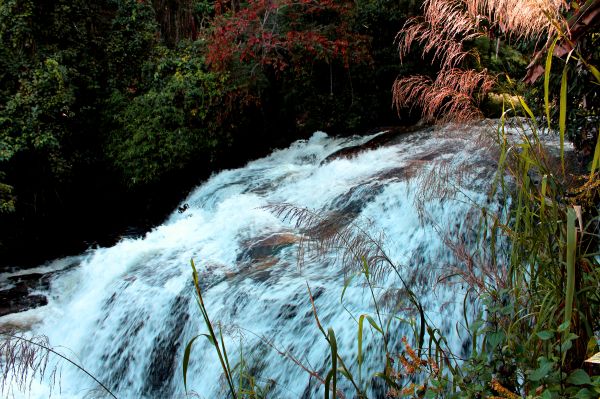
column 596, row 161
column 543, row 197
column 186, row 360
column 327, row 383
column 373, row 323
column 571, row 249
column 547, row 81
column 527, row 109
column 359, row 359
column 595, row 72
column 562, row 117
column 334, row 358
column 225, row 353
column 213, row 337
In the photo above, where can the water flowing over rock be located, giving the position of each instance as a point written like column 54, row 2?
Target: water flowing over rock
column 127, row 312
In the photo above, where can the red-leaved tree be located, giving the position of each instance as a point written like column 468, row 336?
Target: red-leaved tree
column 282, row 34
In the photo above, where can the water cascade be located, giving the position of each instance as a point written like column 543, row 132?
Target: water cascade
column 126, row 313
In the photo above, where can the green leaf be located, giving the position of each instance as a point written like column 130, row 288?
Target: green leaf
column 327, row 382
column 541, row 371
column 527, row 109
column 374, row 324
column 565, row 346
column 594, row 71
column 596, row 160
column 345, row 373
column 543, row 196
column 579, row 377
column 571, row 337
column 570, row 261
column 586, row 393
column 545, row 335
column 387, row 379
column 563, row 326
column 186, row 359
column 210, row 339
column 495, row 339
column 346, row 284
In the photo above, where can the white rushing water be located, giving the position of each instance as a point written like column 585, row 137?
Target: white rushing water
column 126, row 313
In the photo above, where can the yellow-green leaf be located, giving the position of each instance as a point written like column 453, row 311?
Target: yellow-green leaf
column 547, row 80
column 186, row 359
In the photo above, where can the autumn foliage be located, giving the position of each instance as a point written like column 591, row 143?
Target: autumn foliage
column 280, row 34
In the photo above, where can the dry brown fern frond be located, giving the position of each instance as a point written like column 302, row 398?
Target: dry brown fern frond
column 338, row 235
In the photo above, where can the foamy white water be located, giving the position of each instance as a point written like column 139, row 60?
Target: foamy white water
column 127, row 312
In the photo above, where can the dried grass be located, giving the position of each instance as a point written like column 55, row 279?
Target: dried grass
column 325, row 234
column 520, row 19
column 442, row 48
column 453, row 96
column 23, row 360
column 443, row 30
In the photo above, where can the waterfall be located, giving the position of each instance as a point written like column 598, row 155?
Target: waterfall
column 126, row 313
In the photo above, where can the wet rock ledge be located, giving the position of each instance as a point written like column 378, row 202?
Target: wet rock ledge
column 23, row 293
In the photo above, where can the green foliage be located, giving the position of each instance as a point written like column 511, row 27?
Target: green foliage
column 171, row 122
column 33, row 128
column 34, row 118
column 88, row 88
column 131, row 39
column 7, row 199
column 536, row 343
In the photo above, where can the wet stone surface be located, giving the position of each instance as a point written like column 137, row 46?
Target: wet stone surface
column 22, row 293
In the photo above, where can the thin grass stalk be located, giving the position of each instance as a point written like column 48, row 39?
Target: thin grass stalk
column 366, row 272
column 346, row 372
column 543, row 199
column 63, row 357
column 213, row 337
column 225, row 353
